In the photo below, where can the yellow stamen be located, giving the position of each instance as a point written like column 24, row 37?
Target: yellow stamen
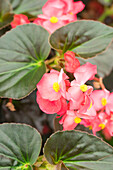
column 104, row 101
column 102, row 126
column 56, row 86
column 71, row 13
column 77, row 120
column 90, row 106
column 53, row 20
column 83, row 87
column 90, row 127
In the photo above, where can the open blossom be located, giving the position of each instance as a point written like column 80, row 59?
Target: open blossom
column 51, row 92
column 19, row 19
column 51, row 107
column 106, row 123
column 100, row 122
column 103, row 99
column 92, row 124
column 57, row 13
column 72, row 118
column 79, row 93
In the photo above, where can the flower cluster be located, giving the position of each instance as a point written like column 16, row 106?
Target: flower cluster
column 56, row 13
column 76, row 102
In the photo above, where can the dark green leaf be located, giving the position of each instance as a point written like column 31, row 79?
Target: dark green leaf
column 103, row 61
column 5, row 13
column 86, row 38
column 19, row 143
column 27, row 6
column 78, row 150
column 22, row 54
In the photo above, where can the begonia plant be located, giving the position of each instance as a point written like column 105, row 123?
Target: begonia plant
column 65, row 85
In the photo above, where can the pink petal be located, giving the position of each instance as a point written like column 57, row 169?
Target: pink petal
column 75, row 104
column 90, row 114
column 53, row 8
column 71, row 62
column 78, row 7
column 107, row 134
column 109, row 105
column 63, row 109
column 85, row 105
column 49, row 107
column 51, row 27
column 68, row 6
column 68, row 122
column 45, row 87
column 109, row 127
column 89, row 90
column 97, row 96
column 44, row 17
column 74, row 93
column 38, row 21
column 85, row 72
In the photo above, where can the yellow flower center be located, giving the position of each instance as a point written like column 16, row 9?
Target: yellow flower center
column 56, row 86
column 71, row 13
column 104, row 101
column 83, row 87
column 102, row 126
column 53, row 20
column 90, row 106
column 90, row 127
column 77, row 120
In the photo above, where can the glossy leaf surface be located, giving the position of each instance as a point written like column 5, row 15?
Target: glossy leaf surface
column 86, row 38
column 22, row 54
column 103, row 61
column 78, row 150
column 19, row 145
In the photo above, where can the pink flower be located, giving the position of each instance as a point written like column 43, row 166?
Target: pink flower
column 92, row 124
column 52, row 17
column 106, row 122
column 72, row 8
column 78, row 93
column 47, row 106
column 71, row 62
column 70, row 120
column 85, row 72
column 19, row 19
column 103, row 99
column 57, row 13
column 51, row 92
column 52, row 85
column 51, row 107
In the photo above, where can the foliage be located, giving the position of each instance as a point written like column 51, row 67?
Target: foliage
column 26, row 51
column 20, row 146
column 24, row 60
